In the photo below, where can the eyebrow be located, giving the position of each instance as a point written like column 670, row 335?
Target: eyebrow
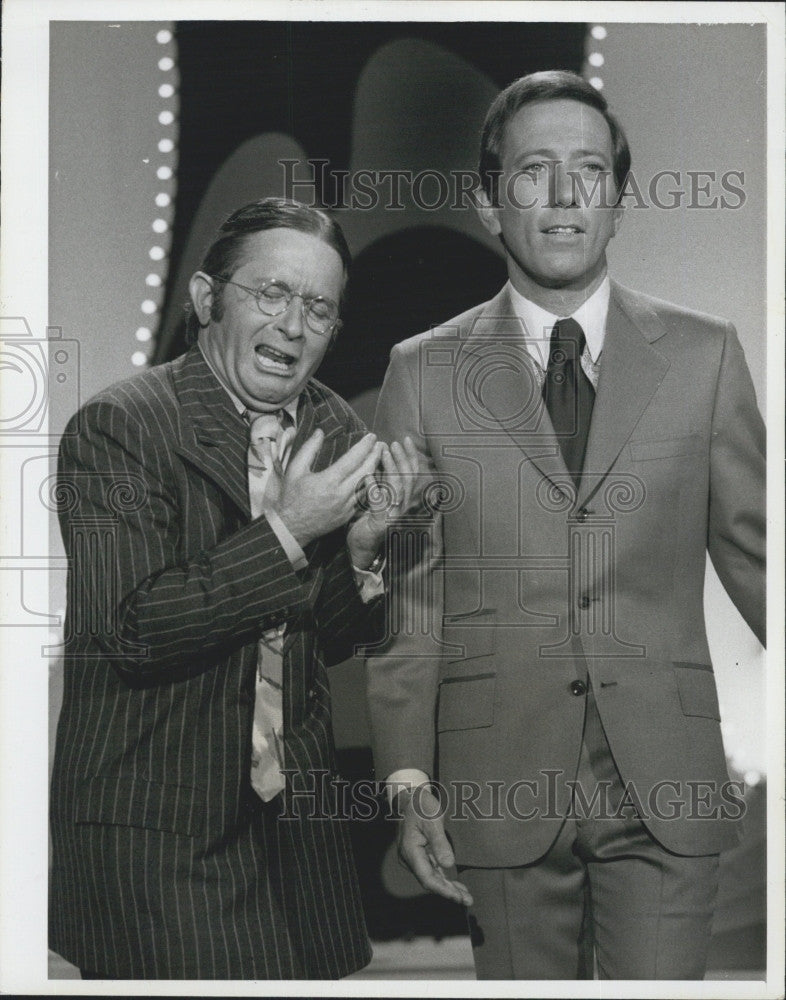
column 260, row 279
column 552, row 154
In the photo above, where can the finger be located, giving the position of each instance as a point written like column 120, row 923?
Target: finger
column 350, row 491
column 398, row 464
column 351, row 460
column 307, row 454
column 406, row 474
column 365, row 472
column 432, row 879
column 391, row 476
column 395, row 481
column 285, row 442
column 460, row 892
column 412, row 452
column 439, row 845
column 408, row 467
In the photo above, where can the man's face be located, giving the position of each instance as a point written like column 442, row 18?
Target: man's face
column 554, row 237
column 266, row 360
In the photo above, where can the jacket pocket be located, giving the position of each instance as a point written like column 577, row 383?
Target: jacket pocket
column 644, row 451
column 470, row 635
column 466, row 702
column 696, row 688
column 147, row 804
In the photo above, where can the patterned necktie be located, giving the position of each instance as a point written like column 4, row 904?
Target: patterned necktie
column 270, row 441
column 568, row 393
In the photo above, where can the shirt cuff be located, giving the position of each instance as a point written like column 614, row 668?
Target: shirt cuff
column 288, row 541
column 370, row 584
column 405, row 778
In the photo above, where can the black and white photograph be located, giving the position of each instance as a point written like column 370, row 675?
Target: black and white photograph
column 392, row 513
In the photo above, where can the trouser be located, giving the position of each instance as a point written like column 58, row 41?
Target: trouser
column 605, row 885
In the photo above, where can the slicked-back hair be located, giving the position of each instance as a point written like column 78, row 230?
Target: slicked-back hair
column 550, row 85
column 225, row 254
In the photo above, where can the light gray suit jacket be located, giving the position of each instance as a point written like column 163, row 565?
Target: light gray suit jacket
column 525, row 585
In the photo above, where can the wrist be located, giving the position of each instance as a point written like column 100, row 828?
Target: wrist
column 301, row 532
column 376, row 564
column 363, row 554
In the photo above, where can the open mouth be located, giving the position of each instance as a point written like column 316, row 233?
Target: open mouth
column 563, row 231
column 272, row 360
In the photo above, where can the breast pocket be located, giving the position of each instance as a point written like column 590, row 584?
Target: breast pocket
column 466, row 702
column 469, row 636
column 648, row 451
column 697, row 691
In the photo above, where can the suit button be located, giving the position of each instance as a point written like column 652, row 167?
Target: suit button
column 584, row 602
column 582, row 515
column 578, row 688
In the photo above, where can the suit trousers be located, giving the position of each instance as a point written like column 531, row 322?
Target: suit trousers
column 605, row 886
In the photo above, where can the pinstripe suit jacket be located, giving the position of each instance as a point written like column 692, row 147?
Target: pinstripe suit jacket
column 165, row 864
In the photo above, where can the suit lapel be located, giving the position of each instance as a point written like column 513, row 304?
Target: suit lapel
column 500, row 378
column 631, row 371
column 214, row 436
column 314, row 411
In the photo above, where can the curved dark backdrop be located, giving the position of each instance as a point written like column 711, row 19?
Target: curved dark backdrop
column 242, row 79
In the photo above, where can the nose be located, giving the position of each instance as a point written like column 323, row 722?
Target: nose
column 290, row 321
column 562, row 190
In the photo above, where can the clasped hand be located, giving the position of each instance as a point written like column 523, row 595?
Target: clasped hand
column 312, row 504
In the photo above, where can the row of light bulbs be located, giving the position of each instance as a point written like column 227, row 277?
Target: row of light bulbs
column 163, row 200
column 595, row 59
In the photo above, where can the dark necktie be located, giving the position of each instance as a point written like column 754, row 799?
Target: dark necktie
column 568, row 393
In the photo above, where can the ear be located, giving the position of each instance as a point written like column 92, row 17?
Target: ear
column 200, row 288
column 333, row 338
column 488, row 214
column 618, row 215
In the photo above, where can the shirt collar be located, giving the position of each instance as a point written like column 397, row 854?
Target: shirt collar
column 591, row 316
column 238, row 403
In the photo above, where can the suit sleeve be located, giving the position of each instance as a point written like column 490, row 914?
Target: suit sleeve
column 344, row 620
column 402, row 675
column 157, row 616
column 737, row 526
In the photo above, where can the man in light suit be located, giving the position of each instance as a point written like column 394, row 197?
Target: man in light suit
column 194, row 831
column 549, row 669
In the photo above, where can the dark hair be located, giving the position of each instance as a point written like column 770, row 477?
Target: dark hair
column 550, row 85
column 225, row 253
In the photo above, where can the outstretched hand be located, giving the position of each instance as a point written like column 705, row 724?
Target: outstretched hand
column 424, row 848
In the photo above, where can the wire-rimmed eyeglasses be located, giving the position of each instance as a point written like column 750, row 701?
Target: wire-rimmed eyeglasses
column 273, row 297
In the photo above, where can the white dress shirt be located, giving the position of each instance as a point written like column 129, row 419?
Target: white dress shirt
column 538, row 323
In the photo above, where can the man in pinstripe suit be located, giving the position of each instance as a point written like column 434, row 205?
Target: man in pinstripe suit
column 166, row 863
